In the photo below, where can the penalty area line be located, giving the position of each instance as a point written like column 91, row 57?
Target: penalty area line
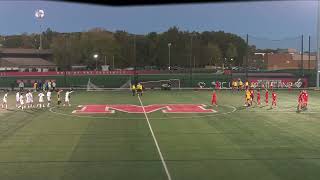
column 155, row 141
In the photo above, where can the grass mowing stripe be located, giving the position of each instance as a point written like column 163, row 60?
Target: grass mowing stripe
column 155, row 141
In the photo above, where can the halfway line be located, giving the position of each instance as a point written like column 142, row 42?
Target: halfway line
column 155, row 141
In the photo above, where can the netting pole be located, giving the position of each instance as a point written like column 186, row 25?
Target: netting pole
column 309, row 54
column 318, row 44
column 247, row 56
column 302, row 70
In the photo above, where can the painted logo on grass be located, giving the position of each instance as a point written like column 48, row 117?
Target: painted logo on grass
column 129, row 108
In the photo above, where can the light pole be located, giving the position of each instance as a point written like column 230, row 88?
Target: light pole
column 39, row 14
column 95, row 56
column 169, row 46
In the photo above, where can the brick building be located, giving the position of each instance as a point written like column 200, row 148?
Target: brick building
column 279, row 61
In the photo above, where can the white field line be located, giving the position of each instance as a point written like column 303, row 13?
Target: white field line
column 155, row 141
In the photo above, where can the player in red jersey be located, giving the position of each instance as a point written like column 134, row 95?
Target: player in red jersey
column 271, row 86
column 252, row 95
column 289, row 87
column 214, row 98
column 274, row 99
column 300, row 100
column 218, row 85
column 267, row 97
column 303, row 100
column 306, row 98
column 258, row 97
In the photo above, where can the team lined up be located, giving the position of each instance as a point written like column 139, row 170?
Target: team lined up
column 303, row 98
column 26, row 100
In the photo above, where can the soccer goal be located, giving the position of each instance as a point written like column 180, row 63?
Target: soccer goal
column 92, row 87
column 174, row 83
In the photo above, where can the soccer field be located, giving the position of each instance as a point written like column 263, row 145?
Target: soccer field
column 231, row 142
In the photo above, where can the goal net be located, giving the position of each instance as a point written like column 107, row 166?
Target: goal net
column 92, row 87
column 174, row 83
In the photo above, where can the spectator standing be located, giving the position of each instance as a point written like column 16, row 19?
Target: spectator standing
column 40, row 86
column 54, row 85
column 35, row 86
column 49, row 85
column 21, row 85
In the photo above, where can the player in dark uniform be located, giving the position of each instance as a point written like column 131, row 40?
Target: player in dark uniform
column 59, row 96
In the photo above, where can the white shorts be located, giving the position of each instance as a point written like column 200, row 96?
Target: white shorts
column 28, row 101
column 4, row 101
column 40, row 100
column 22, row 102
column 49, row 98
column 66, row 99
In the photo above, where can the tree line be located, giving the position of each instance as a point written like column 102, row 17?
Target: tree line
column 187, row 49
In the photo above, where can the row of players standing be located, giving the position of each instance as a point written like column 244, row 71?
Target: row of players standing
column 303, row 96
column 40, row 85
column 26, row 100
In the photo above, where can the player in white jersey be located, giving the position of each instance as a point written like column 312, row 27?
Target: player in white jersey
column 67, row 98
column 41, row 101
column 31, row 99
column 21, row 99
column 5, row 100
column 17, row 99
column 49, row 97
column 27, row 100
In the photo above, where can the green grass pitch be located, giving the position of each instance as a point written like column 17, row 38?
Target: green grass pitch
column 234, row 143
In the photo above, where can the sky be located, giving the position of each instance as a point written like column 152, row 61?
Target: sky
column 263, row 21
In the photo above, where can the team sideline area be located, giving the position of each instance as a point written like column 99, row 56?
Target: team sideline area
column 162, row 135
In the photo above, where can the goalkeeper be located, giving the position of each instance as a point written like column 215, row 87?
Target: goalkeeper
column 133, row 89
column 139, row 89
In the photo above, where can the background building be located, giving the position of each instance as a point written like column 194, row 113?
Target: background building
column 26, row 60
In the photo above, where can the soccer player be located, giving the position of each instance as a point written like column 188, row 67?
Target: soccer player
column 67, row 98
column 31, row 99
column 247, row 84
column 21, row 99
column 17, row 99
column 41, row 101
column 300, row 100
column 217, row 85
column 306, row 98
column 271, row 85
column 133, row 89
column 49, row 98
column 59, row 97
column 251, row 95
column 240, row 84
column 248, row 98
column 214, row 98
column 5, row 100
column 139, row 89
column 258, row 97
column 267, row 97
column 235, row 85
column 274, row 99
column 27, row 99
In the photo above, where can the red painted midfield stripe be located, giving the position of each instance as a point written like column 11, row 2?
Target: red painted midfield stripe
column 129, row 108
column 187, row 108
